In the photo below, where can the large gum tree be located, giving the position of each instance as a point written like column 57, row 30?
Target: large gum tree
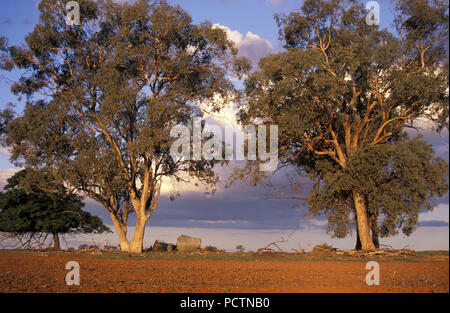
column 103, row 96
column 342, row 93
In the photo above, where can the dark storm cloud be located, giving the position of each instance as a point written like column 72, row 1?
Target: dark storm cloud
column 433, row 224
column 244, row 209
column 239, row 207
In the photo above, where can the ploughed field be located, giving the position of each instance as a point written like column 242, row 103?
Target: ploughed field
column 33, row 271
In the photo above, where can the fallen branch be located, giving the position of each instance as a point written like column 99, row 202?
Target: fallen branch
column 275, row 244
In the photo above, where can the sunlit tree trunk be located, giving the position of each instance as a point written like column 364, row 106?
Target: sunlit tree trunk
column 121, row 231
column 375, row 233
column 136, row 243
column 362, row 222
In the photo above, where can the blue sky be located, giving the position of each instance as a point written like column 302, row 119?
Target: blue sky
column 242, row 214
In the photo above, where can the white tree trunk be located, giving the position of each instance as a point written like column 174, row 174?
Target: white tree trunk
column 121, row 231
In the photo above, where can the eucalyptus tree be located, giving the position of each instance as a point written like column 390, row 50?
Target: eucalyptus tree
column 103, row 96
column 342, row 94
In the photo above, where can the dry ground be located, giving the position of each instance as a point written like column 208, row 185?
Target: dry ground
column 26, row 271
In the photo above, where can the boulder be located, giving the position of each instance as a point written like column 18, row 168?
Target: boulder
column 171, row 247
column 186, row 243
column 159, row 246
column 162, row 246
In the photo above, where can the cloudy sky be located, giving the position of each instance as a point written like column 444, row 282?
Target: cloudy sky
column 241, row 214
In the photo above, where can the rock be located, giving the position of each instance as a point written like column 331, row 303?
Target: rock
column 162, row 246
column 171, row 247
column 159, row 246
column 210, row 248
column 186, row 243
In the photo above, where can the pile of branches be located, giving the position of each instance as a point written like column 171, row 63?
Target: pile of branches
column 272, row 247
column 387, row 251
column 32, row 241
column 92, row 249
column 324, row 248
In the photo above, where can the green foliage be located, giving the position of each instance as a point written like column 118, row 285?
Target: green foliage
column 399, row 180
column 114, row 87
column 34, row 211
column 342, row 95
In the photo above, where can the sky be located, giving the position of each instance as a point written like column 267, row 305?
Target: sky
column 241, row 214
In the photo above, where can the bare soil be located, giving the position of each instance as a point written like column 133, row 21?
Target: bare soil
column 26, row 271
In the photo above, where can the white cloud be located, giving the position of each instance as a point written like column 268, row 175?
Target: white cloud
column 6, row 173
column 171, row 186
column 5, row 152
column 226, row 115
column 249, row 45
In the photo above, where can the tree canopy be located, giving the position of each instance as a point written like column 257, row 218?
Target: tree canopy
column 30, row 210
column 104, row 95
column 342, row 94
column 398, row 181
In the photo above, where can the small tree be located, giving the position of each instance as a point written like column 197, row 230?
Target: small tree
column 240, row 248
column 31, row 210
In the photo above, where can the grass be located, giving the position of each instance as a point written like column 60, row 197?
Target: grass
column 418, row 256
column 432, row 253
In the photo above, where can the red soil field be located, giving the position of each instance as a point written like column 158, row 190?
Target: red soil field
column 43, row 272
